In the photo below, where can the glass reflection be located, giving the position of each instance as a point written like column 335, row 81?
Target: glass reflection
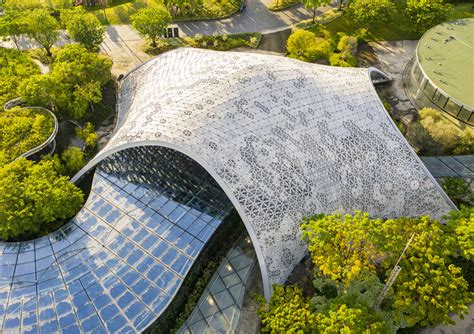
column 119, row 262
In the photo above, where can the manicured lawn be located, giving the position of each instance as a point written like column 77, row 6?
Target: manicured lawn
column 283, row 4
column 398, row 29
column 120, row 11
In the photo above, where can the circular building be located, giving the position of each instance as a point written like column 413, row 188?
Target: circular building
column 443, row 69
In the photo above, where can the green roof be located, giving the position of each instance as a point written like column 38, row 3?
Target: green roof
column 446, row 55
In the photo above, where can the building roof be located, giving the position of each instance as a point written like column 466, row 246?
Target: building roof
column 446, row 55
column 277, row 138
column 283, row 138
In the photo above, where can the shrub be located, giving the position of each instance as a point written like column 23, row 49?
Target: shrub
column 304, row 45
column 73, row 84
column 459, row 191
column 21, row 130
column 428, row 288
column 287, row 312
column 15, row 67
column 342, row 59
column 34, row 198
column 88, row 135
column 461, row 224
column 73, row 160
column 450, row 138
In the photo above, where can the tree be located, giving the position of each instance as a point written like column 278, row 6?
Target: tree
column 73, row 84
column 369, row 12
column 33, row 198
column 459, row 191
column 43, row 28
column 425, row 14
column 343, row 249
column 461, row 224
column 12, row 25
column 15, row 66
column 84, row 28
column 73, row 160
column 429, row 287
column 150, row 22
column 314, row 5
column 343, row 319
column 287, row 312
column 89, row 136
column 22, row 129
column 304, row 45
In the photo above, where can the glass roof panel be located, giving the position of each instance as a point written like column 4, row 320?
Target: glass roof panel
column 116, row 265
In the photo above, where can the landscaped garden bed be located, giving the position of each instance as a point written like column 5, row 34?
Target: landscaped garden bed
column 119, row 12
column 219, row 43
column 283, row 4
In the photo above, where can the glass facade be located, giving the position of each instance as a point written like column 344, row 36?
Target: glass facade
column 421, row 85
column 118, row 263
column 218, row 309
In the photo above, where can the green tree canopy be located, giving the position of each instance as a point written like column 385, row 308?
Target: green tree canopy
column 74, row 82
column 459, row 191
column 369, row 12
column 343, row 249
column 304, row 45
column 313, row 5
column 287, row 312
column 461, row 224
column 43, row 28
column 15, row 67
column 73, row 160
column 429, row 287
column 425, row 14
column 22, row 129
column 33, row 198
column 343, row 319
column 12, row 25
column 83, row 27
column 150, row 22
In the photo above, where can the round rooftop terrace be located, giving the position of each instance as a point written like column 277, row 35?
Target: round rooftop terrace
column 445, row 67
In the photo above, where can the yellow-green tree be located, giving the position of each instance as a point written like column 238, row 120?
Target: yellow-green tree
column 369, row 12
column 313, row 5
column 425, row 14
column 84, row 28
column 33, row 198
column 76, row 81
column 429, row 287
column 287, row 312
column 343, row 319
column 43, row 28
column 150, row 22
column 304, row 45
column 343, row 248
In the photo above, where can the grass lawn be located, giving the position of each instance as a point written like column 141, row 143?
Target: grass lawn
column 282, row 4
column 119, row 11
column 398, row 29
